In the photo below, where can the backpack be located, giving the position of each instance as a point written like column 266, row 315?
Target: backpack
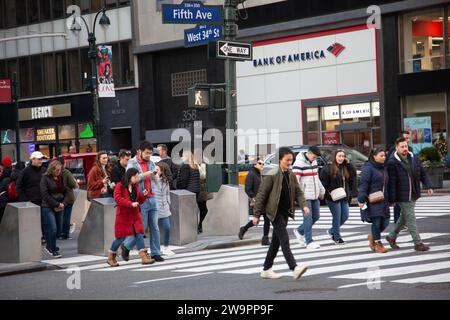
column 13, row 195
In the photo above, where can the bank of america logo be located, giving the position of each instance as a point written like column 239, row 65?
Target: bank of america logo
column 336, row 48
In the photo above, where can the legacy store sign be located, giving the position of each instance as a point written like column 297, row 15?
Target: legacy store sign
column 45, row 112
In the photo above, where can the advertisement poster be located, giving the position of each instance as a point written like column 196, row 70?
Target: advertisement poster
column 420, row 132
column 5, row 91
column 105, row 72
column 331, row 138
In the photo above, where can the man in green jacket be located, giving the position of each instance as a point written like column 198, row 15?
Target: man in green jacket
column 63, row 231
column 277, row 195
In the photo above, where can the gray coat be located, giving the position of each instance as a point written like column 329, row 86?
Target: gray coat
column 161, row 190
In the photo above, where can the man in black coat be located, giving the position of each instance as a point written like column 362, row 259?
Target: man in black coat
column 29, row 182
column 252, row 183
column 120, row 167
column 405, row 174
column 163, row 150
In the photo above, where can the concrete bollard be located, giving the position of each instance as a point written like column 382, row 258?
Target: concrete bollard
column 20, row 233
column 184, row 218
column 80, row 208
column 227, row 212
column 97, row 231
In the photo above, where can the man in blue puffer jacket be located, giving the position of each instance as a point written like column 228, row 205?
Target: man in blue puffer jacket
column 405, row 174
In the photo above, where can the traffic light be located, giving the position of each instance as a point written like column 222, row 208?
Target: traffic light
column 206, row 97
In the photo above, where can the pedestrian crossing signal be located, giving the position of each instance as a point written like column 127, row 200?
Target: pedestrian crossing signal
column 206, row 98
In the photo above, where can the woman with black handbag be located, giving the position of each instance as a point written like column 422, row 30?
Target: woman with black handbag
column 373, row 197
column 338, row 180
column 54, row 199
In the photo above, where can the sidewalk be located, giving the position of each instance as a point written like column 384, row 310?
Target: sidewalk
column 68, row 249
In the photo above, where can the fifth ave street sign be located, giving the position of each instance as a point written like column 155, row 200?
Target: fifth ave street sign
column 189, row 12
column 234, row 50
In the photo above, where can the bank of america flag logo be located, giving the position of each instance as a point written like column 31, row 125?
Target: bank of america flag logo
column 336, row 48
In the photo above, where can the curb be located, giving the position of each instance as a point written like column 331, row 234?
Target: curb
column 16, row 269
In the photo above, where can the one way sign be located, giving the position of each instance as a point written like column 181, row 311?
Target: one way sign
column 234, row 50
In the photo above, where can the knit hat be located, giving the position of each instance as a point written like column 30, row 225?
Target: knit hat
column 7, row 162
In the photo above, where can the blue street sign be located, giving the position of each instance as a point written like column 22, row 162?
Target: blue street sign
column 202, row 35
column 192, row 12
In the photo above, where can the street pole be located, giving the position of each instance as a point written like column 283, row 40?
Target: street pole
column 15, row 97
column 230, row 33
column 92, row 54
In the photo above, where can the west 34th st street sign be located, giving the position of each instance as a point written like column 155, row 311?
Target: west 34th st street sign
column 192, row 12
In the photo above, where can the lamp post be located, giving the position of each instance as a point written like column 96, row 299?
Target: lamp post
column 92, row 54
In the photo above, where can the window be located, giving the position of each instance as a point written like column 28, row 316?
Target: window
column 2, row 69
column 33, row 11
column 8, row 136
column 127, row 64
column 61, row 72
column 2, row 16
column 36, row 75
column 11, row 68
column 9, row 150
column 24, row 75
column 88, row 145
column 49, row 74
column 111, row 3
column 45, row 10
column 26, row 134
column 21, row 12
column 85, row 131
column 423, row 41
column 96, row 5
column 74, row 71
column 58, row 9
column 66, row 132
column 117, row 75
column 85, row 65
column 84, row 6
column 183, row 80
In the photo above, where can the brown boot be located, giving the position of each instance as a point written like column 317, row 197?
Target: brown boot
column 421, row 247
column 392, row 242
column 371, row 242
column 379, row 248
column 145, row 257
column 112, row 259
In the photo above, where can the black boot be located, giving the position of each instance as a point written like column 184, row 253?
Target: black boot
column 199, row 229
column 265, row 241
column 241, row 233
column 125, row 253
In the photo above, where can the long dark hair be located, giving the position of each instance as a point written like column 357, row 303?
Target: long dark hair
column 335, row 166
column 127, row 176
column 165, row 171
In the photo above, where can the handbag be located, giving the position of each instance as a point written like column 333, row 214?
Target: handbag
column 339, row 193
column 378, row 196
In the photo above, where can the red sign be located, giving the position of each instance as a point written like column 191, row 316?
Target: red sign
column 331, row 137
column 5, row 91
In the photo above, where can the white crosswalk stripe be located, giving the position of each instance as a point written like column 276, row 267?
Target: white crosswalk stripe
column 348, row 263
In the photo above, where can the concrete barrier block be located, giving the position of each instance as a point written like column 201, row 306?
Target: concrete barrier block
column 227, row 212
column 184, row 218
column 97, row 231
column 80, row 208
column 20, row 233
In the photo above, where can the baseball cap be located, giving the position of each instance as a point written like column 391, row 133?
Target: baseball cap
column 36, row 155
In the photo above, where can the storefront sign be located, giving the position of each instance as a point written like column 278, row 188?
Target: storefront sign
column 420, row 132
column 47, row 134
column 105, row 72
column 331, row 137
column 349, row 111
column 45, row 112
column 5, row 91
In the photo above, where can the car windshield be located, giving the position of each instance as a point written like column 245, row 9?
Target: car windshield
column 354, row 156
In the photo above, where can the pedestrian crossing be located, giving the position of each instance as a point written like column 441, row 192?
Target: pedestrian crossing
column 350, row 263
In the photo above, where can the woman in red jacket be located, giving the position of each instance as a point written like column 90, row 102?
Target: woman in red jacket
column 99, row 185
column 128, row 218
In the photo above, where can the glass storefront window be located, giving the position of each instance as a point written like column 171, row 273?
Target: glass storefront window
column 376, row 114
column 330, row 118
column 88, row 145
column 8, row 136
column 9, row 150
column 423, row 41
column 85, row 130
column 66, row 146
column 26, row 135
column 26, row 149
column 66, row 132
column 312, row 116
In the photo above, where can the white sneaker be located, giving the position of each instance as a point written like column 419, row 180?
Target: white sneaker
column 270, row 274
column 313, row 245
column 300, row 238
column 72, row 228
column 299, row 271
column 167, row 252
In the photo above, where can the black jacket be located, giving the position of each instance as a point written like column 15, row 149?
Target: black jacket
column 51, row 196
column 173, row 170
column 117, row 173
column 28, row 184
column 5, row 180
column 188, row 179
column 331, row 183
column 400, row 188
column 252, row 182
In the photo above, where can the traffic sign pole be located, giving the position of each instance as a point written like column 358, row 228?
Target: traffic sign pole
column 230, row 32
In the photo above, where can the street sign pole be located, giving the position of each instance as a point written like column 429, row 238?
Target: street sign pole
column 230, row 32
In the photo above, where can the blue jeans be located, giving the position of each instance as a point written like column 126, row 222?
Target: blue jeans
column 139, row 239
column 397, row 212
column 51, row 222
column 339, row 211
column 165, row 222
column 309, row 220
column 64, row 227
column 379, row 224
column 149, row 212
